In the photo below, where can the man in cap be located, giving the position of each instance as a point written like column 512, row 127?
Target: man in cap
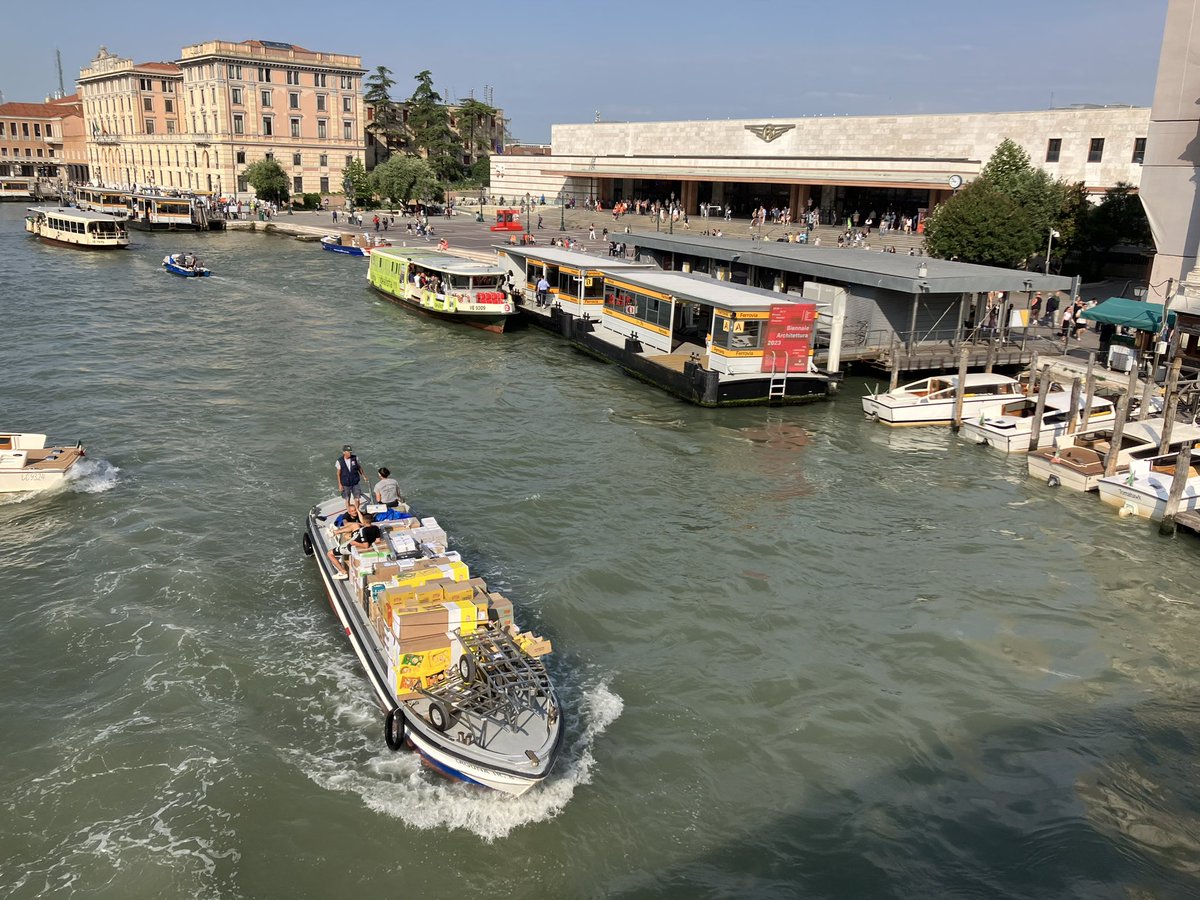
column 349, row 474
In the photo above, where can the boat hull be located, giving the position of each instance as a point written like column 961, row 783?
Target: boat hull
column 20, row 481
column 74, row 246
column 345, row 251
column 1042, row 467
column 495, row 323
column 899, row 411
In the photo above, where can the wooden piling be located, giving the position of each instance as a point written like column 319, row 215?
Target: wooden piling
column 1124, row 404
column 960, row 389
column 895, row 379
column 1183, row 463
column 1073, row 418
column 991, row 355
column 1089, row 390
column 1035, row 431
column 1147, row 393
column 1171, row 408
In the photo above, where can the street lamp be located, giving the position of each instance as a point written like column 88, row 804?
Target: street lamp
column 1049, row 242
column 562, row 209
column 527, row 211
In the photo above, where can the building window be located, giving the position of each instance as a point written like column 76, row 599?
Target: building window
column 348, row 131
column 295, row 126
column 298, row 184
column 266, row 97
column 270, row 155
column 1053, row 148
column 321, row 102
column 295, row 159
column 169, row 104
column 268, row 126
column 264, row 74
column 146, row 84
column 347, row 82
column 25, row 130
column 239, row 124
column 324, row 161
column 148, row 104
column 347, row 104
column 235, row 72
column 324, row 184
column 235, row 95
column 318, row 79
column 293, row 100
column 321, row 129
column 170, row 126
column 349, row 159
column 1096, row 150
column 243, row 184
column 163, row 85
column 37, row 129
column 149, row 126
column 1139, row 148
column 240, row 157
column 293, row 77
column 39, row 153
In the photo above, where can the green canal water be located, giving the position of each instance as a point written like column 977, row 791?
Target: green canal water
column 804, row 655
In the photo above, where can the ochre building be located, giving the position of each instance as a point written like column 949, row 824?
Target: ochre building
column 196, row 124
column 43, row 142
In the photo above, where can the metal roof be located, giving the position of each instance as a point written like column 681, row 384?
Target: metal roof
column 440, row 260
column 891, row 271
column 573, row 258
column 74, row 213
column 704, row 290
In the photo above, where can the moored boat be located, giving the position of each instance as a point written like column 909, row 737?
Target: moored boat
column 351, row 244
column 1144, row 489
column 1009, row 428
column 81, row 228
column 444, row 660
column 27, row 464
column 443, row 285
column 1077, row 462
column 930, row 401
column 186, row 265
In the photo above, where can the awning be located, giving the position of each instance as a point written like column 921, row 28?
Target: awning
column 1128, row 314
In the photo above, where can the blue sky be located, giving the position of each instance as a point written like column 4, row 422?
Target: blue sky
column 655, row 59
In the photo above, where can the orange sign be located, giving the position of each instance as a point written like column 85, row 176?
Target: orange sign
column 789, row 339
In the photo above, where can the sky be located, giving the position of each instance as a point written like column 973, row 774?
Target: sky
column 654, row 60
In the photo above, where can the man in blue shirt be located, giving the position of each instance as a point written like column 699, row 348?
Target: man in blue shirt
column 350, row 474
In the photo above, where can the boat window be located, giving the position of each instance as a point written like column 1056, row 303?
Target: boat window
column 738, row 334
column 458, row 282
column 593, row 287
column 485, row 282
column 569, row 284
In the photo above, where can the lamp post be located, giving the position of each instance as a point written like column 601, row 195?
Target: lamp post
column 527, row 211
column 1049, row 243
column 562, row 209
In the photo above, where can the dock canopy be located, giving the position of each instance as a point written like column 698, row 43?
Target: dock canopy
column 1128, row 314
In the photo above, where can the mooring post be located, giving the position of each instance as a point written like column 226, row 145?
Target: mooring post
column 960, row 389
column 1073, row 418
column 895, row 379
column 991, row 356
column 1124, row 405
column 1088, row 390
column 1035, row 431
column 1183, row 465
column 1171, row 408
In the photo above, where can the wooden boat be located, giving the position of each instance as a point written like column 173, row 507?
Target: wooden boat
column 443, row 285
column 1077, row 462
column 456, row 681
column 1009, row 429
column 27, row 464
column 80, row 228
column 930, row 401
column 1143, row 490
column 185, row 265
column 351, row 244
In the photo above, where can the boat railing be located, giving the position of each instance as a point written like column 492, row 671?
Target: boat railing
column 494, row 677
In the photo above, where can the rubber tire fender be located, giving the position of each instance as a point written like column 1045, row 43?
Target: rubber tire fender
column 1053, row 481
column 307, row 544
column 393, row 728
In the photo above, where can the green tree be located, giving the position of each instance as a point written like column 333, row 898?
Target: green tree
column 387, row 124
column 475, row 120
column 269, row 181
column 1008, row 167
column 982, row 225
column 404, row 178
column 355, row 183
column 1118, row 219
column 481, row 171
column 429, row 126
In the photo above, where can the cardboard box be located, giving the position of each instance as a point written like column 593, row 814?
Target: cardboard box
column 424, row 657
column 430, row 593
column 500, row 609
column 453, row 590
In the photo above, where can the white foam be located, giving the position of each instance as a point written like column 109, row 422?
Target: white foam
column 395, row 783
column 92, row 476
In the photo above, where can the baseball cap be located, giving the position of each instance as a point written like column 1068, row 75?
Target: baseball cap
column 346, row 448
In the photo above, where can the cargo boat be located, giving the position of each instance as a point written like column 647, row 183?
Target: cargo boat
column 443, row 285
column 455, row 680
column 27, row 464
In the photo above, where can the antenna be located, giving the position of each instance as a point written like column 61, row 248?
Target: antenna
column 62, row 91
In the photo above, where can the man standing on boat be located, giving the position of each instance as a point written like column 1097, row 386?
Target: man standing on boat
column 350, row 474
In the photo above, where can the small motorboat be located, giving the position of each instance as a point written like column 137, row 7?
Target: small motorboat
column 1009, row 428
column 930, row 401
column 27, row 464
column 1077, row 461
column 1144, row 489
column 186, row 265
column 351, row 244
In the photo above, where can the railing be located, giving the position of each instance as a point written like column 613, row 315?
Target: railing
column 106, row 138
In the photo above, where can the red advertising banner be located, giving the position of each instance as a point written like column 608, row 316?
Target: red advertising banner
column 789, row 338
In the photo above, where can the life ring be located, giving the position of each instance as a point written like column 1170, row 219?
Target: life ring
column 466, row 668
column 439, row 715
column 307, row 544
column 1053, row 481
column 393, row 728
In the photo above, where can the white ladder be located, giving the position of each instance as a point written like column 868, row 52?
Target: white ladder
column 777, row 388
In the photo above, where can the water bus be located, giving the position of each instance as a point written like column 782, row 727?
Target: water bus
column 27, row 464
column 105, row 200
column 14, row 189
column 159, row 212
column 456, row 680
column 443, row 285
column 1078, row 463
column 71, row 227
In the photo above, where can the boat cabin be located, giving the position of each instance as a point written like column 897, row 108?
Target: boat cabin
column 105, row 200
column 576, row 279
column 943, row 387
column 165, row 212
column 437, row 279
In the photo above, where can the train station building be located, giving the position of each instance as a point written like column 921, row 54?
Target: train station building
column 838, row 165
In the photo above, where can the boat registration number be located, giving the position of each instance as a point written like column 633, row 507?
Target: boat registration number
column 33, row 476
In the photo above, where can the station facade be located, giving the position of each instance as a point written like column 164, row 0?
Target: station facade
column 838, row 165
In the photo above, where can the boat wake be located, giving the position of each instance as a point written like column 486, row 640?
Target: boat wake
column 92, row 476
column 396, row 784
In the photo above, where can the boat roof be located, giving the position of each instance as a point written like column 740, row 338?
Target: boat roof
column 975, row 379
column 702, row 289
column 573, row 258
column 71, row 212
column 440, row 260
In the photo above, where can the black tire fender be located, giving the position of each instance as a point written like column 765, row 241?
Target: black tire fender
column 393, row 728
column 307, row 544
column 1054, row 481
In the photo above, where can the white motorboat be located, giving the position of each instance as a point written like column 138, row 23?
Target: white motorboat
column 1143, row 490
column 1077, row 461
column 930, row 401
column 457, row 683
column 27, row 464
column 1009, row 428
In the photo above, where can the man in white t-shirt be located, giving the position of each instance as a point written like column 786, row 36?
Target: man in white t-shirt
column 387, row 490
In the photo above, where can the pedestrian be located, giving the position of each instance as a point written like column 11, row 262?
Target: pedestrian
column 1035, row 308
column 335, row 217
column 539, row 221
column 349, row 474
column 543, row 291
column 1051, row 309
column 1068, row 315
column 591, row 232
